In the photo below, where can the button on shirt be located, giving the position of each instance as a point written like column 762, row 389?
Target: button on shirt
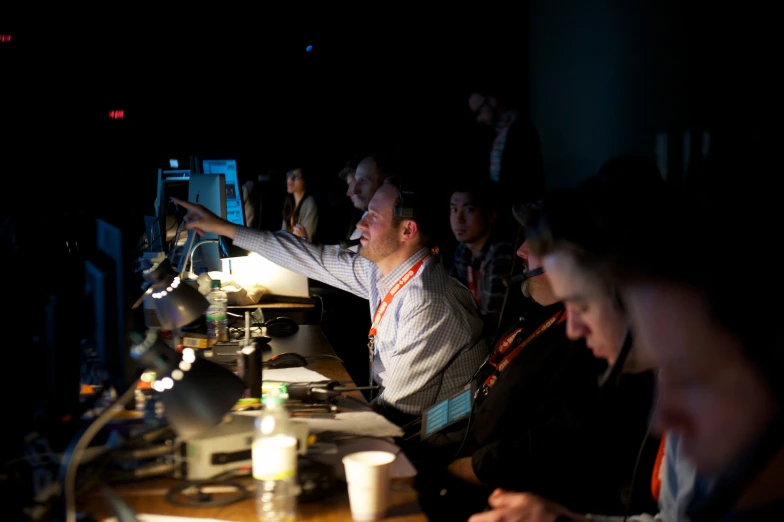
column 429, row 342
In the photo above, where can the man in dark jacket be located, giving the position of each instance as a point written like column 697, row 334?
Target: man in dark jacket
column 515, row 161
column 538, row 416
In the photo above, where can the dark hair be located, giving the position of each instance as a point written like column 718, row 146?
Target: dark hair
column 290, row 208
column 346, row 171
column 412, row 203
column 484, row 192
column 592, row 219
column 501, row 85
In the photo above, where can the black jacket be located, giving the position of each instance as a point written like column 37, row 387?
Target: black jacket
column 522, row 165
column 545, row 427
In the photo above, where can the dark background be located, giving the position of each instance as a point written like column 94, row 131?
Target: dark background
column 596, row 78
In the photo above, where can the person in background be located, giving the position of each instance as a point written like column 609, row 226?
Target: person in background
column 515, row 161
column 482, row 258
column 300, row 210
column 348, row 174
column 369, row 175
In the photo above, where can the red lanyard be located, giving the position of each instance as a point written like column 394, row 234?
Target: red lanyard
column 474, row 282
column 383, row 305
column 503, row 345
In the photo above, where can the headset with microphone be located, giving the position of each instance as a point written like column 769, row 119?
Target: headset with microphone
column 520, row 278
column 348, row 243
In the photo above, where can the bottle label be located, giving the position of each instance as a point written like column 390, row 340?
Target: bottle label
column 275, row 457
column 216, row 313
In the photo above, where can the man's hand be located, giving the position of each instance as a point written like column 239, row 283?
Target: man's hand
column 508, row 506
column 202, row 221
column 299, row 231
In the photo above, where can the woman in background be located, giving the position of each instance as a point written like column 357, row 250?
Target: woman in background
column 300, row 211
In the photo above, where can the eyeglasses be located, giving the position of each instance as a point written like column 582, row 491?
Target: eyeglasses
column 295, row 177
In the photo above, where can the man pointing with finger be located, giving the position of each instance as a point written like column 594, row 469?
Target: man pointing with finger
column 425, row 341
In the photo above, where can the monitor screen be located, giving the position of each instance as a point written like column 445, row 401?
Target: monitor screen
column 162, row 232
column 228, row 167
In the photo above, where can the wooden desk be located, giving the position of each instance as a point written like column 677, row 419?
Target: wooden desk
column 148, row 496
column 302, row 312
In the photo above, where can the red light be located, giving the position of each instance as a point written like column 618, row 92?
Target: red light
column 116, row 115
column 5, row 38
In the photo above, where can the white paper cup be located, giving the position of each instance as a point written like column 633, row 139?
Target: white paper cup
column 368, row 475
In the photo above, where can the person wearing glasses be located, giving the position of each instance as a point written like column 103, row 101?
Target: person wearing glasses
column 515, row 154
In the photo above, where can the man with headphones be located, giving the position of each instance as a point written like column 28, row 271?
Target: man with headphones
column 425, row 340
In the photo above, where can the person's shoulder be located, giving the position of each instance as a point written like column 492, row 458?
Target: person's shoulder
column 501, row 247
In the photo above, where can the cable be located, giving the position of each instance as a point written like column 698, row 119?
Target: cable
column 468, row 425
column 517, row 244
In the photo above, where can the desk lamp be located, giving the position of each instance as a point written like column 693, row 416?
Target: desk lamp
column 196, row 393
column 176, row 304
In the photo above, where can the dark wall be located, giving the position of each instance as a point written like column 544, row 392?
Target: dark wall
column 241, row 85
column 607, row 76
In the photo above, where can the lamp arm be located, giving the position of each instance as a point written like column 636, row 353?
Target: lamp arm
column 190, row 255
column 73, row 455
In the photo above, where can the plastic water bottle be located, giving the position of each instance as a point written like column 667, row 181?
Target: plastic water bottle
column 274, row 454
column 217, row 315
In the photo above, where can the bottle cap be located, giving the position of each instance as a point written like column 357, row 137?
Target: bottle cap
column 216, row 283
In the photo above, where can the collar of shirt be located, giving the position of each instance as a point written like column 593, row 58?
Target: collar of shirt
column 383, row 284
column 467, row 257
column 506, row 120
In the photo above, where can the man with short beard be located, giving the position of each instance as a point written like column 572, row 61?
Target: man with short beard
column 426, row 334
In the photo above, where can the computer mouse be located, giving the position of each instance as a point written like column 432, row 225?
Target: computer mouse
column 281, row 326
column 286, row 360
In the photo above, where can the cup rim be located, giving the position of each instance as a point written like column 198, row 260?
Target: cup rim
column 374, row 457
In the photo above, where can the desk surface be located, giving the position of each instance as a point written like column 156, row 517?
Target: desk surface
column 149, row 496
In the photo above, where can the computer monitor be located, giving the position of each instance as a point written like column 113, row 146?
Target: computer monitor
column 109, row 285
column 228, row 167
column 208, row 190
column 171, row 183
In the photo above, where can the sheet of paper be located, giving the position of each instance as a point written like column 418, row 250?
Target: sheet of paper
column 359, row 423
column 364, row 423
column 401, row 467
column 292, row 375
column 145, row 517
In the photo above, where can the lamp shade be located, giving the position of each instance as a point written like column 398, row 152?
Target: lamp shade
column 196, row 393
column 176, row 303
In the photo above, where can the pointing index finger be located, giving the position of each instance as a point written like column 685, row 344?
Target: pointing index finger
column 182, row 203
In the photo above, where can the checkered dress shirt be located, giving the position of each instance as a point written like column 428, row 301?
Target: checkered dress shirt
column 429, row 343
column 497, row 152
